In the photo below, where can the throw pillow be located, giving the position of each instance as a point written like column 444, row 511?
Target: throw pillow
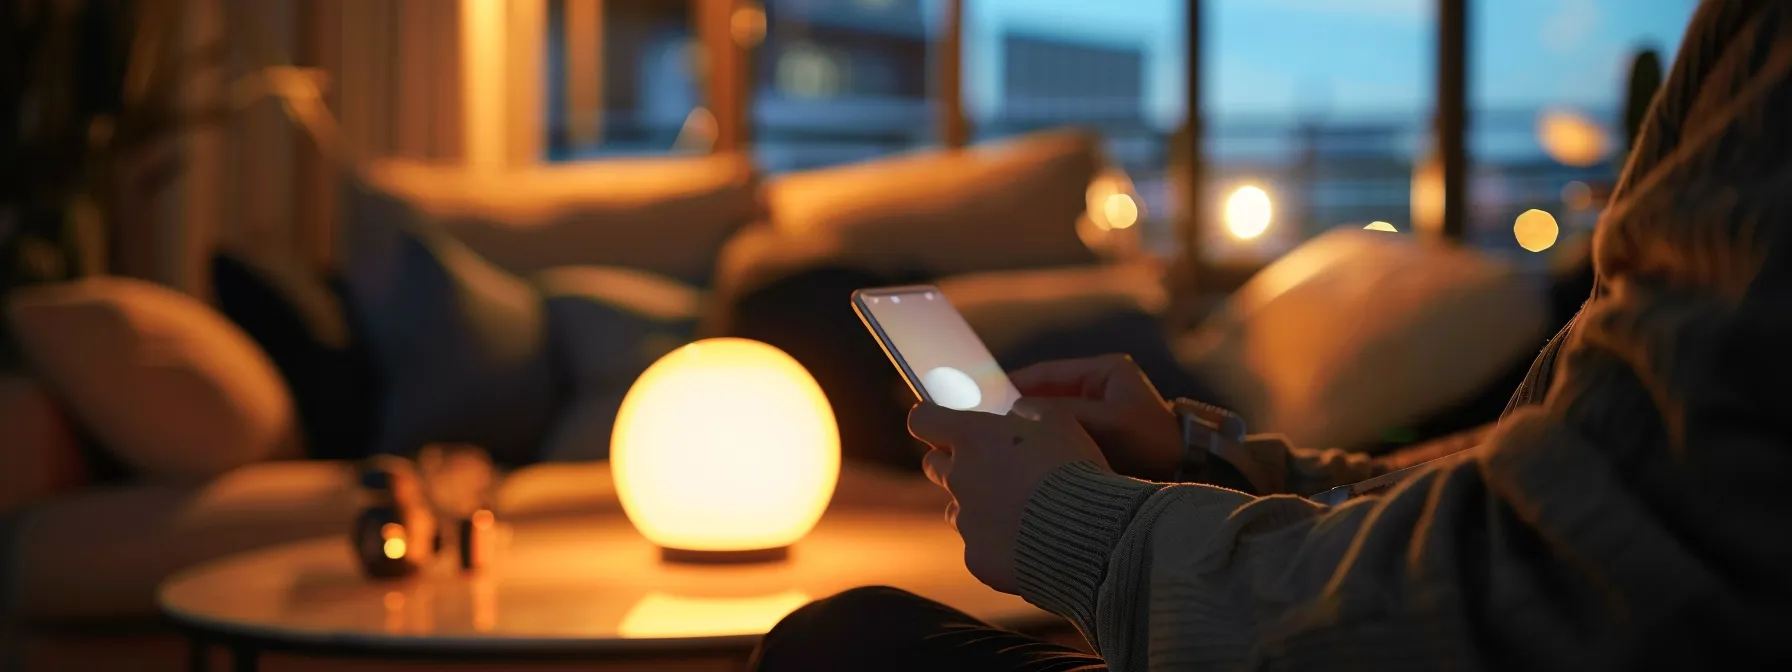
column 1003, row 205
column 668, row 216
column 607, row 325
column 459, row 344
column 168, row 386
column 1357, row 332
column 300, row 319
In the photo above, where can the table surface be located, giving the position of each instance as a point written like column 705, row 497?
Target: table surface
column 589, row 585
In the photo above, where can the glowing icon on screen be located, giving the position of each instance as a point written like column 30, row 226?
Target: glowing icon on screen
column 952, row 388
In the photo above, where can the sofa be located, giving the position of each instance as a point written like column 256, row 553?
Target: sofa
column 152, row 430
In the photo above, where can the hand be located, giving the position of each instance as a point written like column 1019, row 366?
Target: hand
column 1118, row 406
column 991, row 464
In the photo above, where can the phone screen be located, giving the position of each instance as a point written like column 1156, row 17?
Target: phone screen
column 940, row 357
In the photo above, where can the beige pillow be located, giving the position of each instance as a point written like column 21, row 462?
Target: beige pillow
column 999, row 206
column 39, row 455
column 1356, row 332
column 169, row 386
column 667, row 215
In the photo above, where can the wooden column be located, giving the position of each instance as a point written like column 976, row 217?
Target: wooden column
column 1195, row 215
column 728, row 82
column 1452, row 114
column 584, row 72
column 955, row 127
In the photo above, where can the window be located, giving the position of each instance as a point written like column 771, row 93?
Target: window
column 1117, row 67
column 624, row 78
column 1316, row 113
column 839, row 81
column 1548, row 86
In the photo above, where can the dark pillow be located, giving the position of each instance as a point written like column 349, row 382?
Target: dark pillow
column 607, row 325
column 299, row 319
column 461, row 345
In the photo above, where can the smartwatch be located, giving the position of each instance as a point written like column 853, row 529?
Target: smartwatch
column 1207, row 431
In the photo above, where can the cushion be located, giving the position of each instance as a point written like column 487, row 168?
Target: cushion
column 665, row 215
column 299, row 318
column 1006, row 306
column 607, row 325
column 100, row 553
column 168, row 386
column 1356, row 332
column 39, row 452
column 461, row 346
column 1012, row 204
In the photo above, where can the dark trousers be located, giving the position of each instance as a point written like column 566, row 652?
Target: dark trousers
column 877, row 628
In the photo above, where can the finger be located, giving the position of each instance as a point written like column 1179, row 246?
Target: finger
column 937, row 464
column 944, row 428
column 1084, row 410
column 952, row 514
column 1088, row 377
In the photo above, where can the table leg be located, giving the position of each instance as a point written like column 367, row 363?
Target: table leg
column 245, row 658
column 199, row 655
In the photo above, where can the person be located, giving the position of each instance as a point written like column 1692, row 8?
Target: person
column 1628, row 512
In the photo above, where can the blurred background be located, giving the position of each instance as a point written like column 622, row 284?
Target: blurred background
column 245, row 244
column 1327, row 106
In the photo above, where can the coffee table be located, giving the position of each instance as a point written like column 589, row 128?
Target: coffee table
column 574, row 589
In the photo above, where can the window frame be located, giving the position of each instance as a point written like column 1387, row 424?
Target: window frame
column 729, row 94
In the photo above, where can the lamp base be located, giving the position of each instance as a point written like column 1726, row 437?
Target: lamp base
column 688, row 556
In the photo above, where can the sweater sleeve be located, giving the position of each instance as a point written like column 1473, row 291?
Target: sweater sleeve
column 1175, row 577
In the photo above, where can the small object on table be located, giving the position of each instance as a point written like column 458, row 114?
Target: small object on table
column 478, row 536
column 396, row 535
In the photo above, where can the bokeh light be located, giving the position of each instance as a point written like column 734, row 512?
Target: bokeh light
column 1536, row 230
column 1248, row 212
column 1571, row 138
column 1577, row 195
column 1381, row 226
column 1120, row 211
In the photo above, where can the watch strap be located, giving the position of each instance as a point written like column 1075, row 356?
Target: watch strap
column 1210, row 432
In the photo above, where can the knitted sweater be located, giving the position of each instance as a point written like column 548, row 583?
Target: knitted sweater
column 1637, row 517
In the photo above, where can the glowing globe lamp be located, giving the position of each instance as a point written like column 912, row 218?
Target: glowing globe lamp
column 725, row 450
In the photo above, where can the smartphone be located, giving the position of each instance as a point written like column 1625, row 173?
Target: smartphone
column 943, row 361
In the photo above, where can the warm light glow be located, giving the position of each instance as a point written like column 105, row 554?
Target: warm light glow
column 1428, row 197
column 662, row 616
column 485, row 604
column 394, row 602
column 1577, row 195
column 748, row 26
column 725, row 444
column 1571, row 139
column 394, row 548
column 1381, row 226
column 483, row 72
column 391, row 531
column 1248, row 212
column 1536, row 230
column 1120, row 211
